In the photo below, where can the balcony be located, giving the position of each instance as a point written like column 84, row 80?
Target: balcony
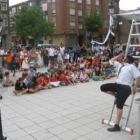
column 4, row 0
column 5, row 32
column 4, row 16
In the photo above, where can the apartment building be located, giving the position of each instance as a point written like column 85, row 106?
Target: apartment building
column 4, row 24
column 68, row 16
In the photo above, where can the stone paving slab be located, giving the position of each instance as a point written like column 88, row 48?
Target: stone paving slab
column 64, row 113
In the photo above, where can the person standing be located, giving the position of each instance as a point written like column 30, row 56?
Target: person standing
column 51, row 55
column 62, row 51
column 9, row 60
column 127, row 72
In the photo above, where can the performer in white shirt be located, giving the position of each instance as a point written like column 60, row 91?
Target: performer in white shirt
column 127, row 72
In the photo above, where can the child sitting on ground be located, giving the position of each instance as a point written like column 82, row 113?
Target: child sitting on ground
column 32, row 72
column 33, row 86
column 20, row 87
column 53, row 80
column 75, row 76
column 70, row 78
column 27, row 79
column 63, row 80
column 97, row 75
column 25, row 72
column 7, row 81
column 42, row 82
column 84, row 77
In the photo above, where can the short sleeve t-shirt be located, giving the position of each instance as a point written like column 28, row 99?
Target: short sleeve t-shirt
column 52, row 79
column 63, row 79
column 19, row 87
column 51, row 52
column 128, row 73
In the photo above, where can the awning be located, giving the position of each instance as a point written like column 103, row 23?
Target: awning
column 131, row 15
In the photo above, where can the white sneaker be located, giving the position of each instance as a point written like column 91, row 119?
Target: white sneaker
column 18, row 94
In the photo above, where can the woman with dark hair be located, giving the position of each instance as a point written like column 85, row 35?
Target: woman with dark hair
column 33, row 85
column 67, row 69
column 97, row 74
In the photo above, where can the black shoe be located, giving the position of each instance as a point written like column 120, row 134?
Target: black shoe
column 0, row 97
column 114, row 129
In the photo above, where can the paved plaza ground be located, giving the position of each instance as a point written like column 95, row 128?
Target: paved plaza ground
column 64, row 113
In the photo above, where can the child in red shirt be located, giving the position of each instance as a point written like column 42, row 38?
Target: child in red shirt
column 24, row 73
column 53, row 81
column 42, row 82
column 46, row 78
column 63, row 80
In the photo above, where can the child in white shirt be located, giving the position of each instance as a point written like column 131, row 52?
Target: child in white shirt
column 84, row 77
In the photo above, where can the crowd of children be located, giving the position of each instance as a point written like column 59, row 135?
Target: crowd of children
column 32, row 81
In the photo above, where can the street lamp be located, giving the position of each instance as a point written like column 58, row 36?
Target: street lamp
column 1, row 21
column 111, row 12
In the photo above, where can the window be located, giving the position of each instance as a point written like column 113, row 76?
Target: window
column 4, row 6
column 72, row 5
column 80, row 26
column 72, row 11
column 88, row 13
column 80, row 18
column 14, row 10
column 97, row 2
column 55, row 25
column 79, row 1
column 88, row 1
column 44, row 7
column 53, row 1
column 54, row 19
column 80, row 13
column 72, row 0
column 72, row 24
column 72, row 18
column 54, row 11
column 5, row 23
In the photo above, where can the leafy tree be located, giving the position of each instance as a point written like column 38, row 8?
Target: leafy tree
column 93, row 23
column 31, row 21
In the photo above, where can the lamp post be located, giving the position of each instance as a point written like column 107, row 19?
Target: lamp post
column 1, row 130
column 111, row 12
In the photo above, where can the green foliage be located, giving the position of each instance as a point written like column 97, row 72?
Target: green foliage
column 31, row 21
column 93, row 23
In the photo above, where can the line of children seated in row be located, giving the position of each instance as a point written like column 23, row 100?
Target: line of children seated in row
column 72, row 74
column 41, row 81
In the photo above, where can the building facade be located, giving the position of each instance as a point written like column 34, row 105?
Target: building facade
column 68, row 16
column 4, row 24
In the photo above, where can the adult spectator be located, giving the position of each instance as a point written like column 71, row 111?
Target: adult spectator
column 9, row 60
column 77, row 53
column 62, row 50
column 83, row 51
column 51, row 55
